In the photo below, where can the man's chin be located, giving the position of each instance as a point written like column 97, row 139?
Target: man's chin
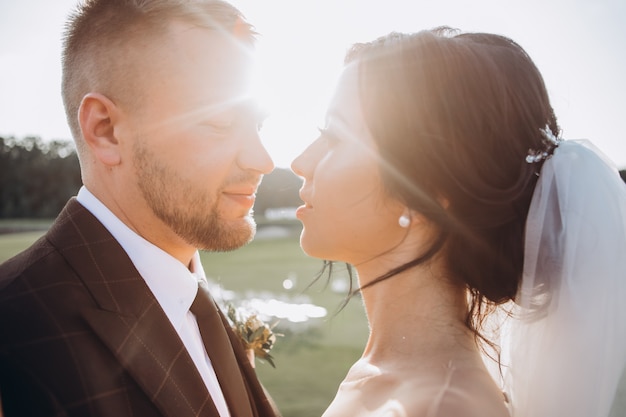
column 232, row 234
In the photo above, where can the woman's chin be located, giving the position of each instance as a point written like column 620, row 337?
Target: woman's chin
column 312, row 248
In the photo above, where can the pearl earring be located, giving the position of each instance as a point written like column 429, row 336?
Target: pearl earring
column 404, row 221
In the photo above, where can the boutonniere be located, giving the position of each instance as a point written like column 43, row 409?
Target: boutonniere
column 257, row 336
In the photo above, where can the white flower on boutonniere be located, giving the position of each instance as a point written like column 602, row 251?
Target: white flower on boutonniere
column 257, row 336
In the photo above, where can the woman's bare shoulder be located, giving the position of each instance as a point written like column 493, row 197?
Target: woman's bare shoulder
column 460, row 393
column 439, row 394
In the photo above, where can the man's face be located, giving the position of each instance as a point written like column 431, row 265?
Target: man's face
column 195, row 147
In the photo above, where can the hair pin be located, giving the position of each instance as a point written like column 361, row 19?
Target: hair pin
column 550, row 141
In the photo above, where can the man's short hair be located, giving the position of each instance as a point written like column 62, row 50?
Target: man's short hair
column 101, row 36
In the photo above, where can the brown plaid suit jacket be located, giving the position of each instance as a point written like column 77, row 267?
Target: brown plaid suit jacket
column 82, row 335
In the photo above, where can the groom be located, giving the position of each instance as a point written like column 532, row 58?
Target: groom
column 104, row 315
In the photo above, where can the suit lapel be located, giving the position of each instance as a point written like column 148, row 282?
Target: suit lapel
column 127, row 317
column 157, row 360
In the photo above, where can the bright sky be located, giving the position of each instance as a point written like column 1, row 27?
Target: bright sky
column 578, row 45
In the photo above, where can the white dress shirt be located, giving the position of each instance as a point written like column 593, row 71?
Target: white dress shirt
column 172, row 283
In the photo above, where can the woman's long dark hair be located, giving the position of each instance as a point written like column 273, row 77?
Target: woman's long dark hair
column 454, row 116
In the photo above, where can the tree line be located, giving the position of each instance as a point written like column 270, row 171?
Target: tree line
column 38, row 177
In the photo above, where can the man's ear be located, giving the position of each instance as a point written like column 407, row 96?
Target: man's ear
column 97, row 116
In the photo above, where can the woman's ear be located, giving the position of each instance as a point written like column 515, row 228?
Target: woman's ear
column 97, row 116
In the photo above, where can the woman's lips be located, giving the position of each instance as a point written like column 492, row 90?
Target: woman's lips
column 303, row 208
column 300, row 211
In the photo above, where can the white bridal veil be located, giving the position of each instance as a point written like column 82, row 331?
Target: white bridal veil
column 564, row 348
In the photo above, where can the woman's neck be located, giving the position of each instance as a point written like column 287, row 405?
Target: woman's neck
column 417, row 315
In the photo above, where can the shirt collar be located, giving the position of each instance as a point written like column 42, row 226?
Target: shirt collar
column 172, row 283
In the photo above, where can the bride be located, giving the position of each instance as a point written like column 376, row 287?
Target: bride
column 491, row 254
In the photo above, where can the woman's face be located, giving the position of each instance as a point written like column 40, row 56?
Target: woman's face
column 347, row 216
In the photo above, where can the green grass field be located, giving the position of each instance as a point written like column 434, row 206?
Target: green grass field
column 310, row 361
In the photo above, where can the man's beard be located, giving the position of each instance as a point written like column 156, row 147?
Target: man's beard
column 190, row 213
